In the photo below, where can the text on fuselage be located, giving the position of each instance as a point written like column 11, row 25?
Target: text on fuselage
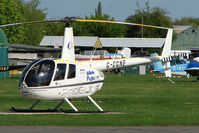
column 116, row 64
column 91, row 76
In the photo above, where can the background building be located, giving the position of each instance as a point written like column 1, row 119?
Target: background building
column 186, row 39
column 88, row 43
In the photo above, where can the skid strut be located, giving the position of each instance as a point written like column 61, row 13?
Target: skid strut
column 58, row 105
column 95, row 104
column 66, row 99
column 34, row 104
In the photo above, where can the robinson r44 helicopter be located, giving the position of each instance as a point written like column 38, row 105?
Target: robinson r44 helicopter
column 63, row 79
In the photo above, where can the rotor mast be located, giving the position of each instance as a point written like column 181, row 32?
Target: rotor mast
column 68, row 50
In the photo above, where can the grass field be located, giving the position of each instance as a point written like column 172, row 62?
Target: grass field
column 142, row 100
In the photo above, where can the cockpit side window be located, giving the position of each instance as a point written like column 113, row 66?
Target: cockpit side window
column 71, row 71
column 60, row 72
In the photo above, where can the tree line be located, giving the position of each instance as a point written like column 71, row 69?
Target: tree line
column 13, row 11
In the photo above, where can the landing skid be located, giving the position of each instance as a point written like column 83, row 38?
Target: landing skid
column 28, row 110
column 52, row 111
column 75, row 110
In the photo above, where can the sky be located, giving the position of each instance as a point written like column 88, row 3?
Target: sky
column 119, row 9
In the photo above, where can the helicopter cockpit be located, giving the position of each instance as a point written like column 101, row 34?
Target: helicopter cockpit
column 38, row 73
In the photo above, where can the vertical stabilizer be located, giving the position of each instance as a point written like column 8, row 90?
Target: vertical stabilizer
column 68, row 51
column 166, row 53
column 167, row 45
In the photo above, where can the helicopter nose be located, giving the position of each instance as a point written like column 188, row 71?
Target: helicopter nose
column 24, row 90
column 101, row 75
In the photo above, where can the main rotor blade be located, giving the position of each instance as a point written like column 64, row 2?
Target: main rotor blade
column 31, row 22
column 115, row 22
column 71, row 19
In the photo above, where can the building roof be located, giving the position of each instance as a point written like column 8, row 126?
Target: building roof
column 180, row 28
column 81, row 41
column 133, row 42
column 105, row 42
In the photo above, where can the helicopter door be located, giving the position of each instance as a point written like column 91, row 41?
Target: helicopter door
column 60, row 73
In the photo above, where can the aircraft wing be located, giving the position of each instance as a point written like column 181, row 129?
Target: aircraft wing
column 10, row 68
column 194, row 71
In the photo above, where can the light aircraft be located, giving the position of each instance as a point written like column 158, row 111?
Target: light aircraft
column 193, row 67
column 178, row 66
column 63, row 79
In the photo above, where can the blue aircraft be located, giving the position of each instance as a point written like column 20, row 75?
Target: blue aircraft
column 193, row 69
column 178, row 66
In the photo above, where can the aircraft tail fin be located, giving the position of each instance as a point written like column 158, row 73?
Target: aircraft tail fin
column 68, row 50
column 167, row 45
column 166, row 53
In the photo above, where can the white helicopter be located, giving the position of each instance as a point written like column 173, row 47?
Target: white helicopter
column 63, row 79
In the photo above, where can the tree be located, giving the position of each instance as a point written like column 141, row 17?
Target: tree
column 12, row 12
column 54, row 29
column 149, row 16
column 188, row 21
column 34, row 32
column 99, row 29
column 98, row 11
column 104, row 29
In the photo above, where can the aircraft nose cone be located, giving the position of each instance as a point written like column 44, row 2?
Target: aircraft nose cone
column 101, row 75
column 24, row 90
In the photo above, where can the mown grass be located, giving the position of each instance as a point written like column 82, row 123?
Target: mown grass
column 141, row 100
